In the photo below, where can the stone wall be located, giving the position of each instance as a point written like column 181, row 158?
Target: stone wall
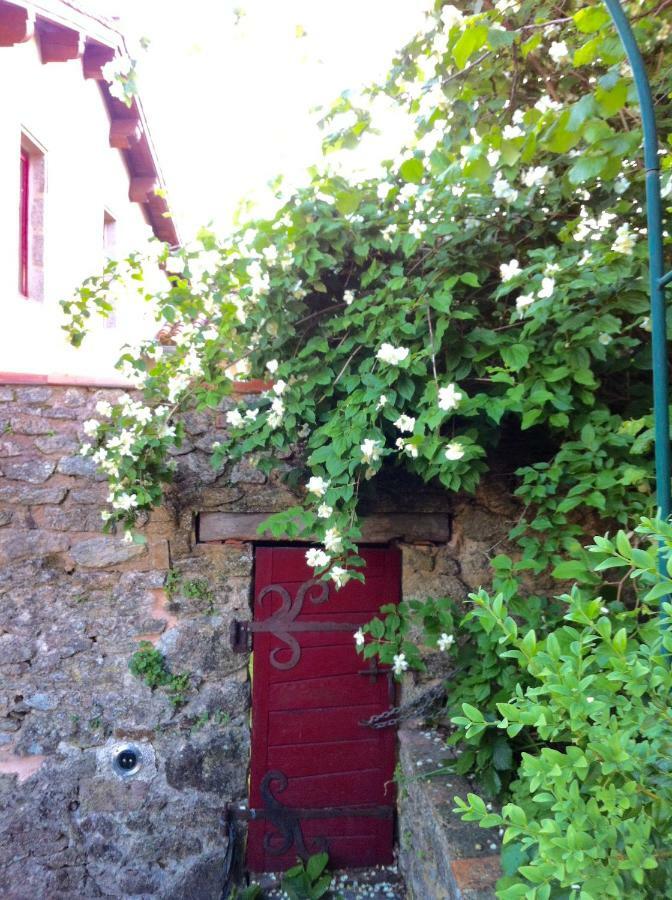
column 74, row 603
column 440, row 856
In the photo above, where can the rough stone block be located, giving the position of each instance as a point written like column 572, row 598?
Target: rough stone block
column 98, row 552
column 16, row 545
column 19, row 493
column 34, row 471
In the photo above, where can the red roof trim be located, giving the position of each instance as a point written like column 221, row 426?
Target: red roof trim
column 73, row 33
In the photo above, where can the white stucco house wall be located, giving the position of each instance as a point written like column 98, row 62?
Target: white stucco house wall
column 78, row 175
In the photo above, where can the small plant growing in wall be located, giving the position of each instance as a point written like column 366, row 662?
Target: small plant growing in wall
column 172, row 583
column 199, row 589
column 149, row 664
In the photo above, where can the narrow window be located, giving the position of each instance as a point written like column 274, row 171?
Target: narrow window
column 23, row 222
column 31, row 219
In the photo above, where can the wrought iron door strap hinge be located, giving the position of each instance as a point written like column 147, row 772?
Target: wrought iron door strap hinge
column 282, row 624
column 287, row 821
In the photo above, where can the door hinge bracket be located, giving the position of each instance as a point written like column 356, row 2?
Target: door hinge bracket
column 240, row 636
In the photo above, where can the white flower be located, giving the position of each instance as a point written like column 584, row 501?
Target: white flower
column 389, row 231
column 175, row 265
column 445, row 641
column 348, row 297
column 383, row 189
column 509, row 270
column 625, row 240
column 143, row 414
column 524, row 301
column 85, row 449
column 511, row 132
column 604, row 610
column 551, row 269
column 547, row 288
column 270, row 253
column 339, row 576
column 558, row 51
column 605, row 339
column 382, row 400
column 405, row 423
column 333, row 541
column 392, row 355
column 416, row 228
column 590, row 699
column 449, row 397
column 279, row 387
column 177, row 384
column 251, row 414
column 451, row 16
column 586, row 258
column 503, row 190
column 518, row 117
column 91, row 426
column 317, row 485
column 123, row 501
column 317, row 558
column 544, row 104
column 272, row 366
column 274, row 419
column 99, row 456
column 407, row 447
column 324, row 511
column 128, row 536
column 454, row 451
column 104, row 408
column 493, row 157
column 233, row 417
column 399, row 663
column 278, row 406
column 106, row 515
column 359, row 637
column 536, row 176
column 457, row 190
column 370, row 450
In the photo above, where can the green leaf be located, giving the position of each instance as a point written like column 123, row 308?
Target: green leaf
column 590, row 19
column 472, row 39
column 412, row 170
column 570, row 570
column 515, row 356
column 512, row 856
column 316, row 865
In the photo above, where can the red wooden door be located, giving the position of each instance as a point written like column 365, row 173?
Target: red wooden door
column 320, row 779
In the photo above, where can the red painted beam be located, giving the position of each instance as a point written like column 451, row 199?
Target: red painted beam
column 17, row 24
column 124, row 133
column 58, row 43
column 141, row 188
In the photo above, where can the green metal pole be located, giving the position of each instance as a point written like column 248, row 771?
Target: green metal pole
column 657, row 277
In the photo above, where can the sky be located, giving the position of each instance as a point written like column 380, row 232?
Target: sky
column 228, row 87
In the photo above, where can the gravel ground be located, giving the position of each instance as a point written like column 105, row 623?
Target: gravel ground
column 378, row 883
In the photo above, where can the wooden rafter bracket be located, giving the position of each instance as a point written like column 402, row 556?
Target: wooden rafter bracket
column 125, row 133
column 95, row 56
column 17, row 24
column 58, row 43
column 141, row 188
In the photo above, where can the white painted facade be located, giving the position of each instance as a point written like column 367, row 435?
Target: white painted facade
column 64, row 114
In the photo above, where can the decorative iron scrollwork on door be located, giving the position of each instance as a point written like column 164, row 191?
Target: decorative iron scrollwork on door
column 282, row 624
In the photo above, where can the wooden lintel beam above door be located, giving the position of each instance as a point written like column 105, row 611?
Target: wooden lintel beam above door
column 376, row 529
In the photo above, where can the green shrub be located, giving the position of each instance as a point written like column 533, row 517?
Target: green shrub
column 591, row 815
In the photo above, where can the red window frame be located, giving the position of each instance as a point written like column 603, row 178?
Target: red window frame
column 24, row 224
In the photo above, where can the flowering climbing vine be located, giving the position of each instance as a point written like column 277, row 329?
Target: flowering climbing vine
column 478, row 304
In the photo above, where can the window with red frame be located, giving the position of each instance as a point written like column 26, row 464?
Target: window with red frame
column 24, row 222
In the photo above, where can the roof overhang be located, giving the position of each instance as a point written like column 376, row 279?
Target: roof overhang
column 64, row 32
